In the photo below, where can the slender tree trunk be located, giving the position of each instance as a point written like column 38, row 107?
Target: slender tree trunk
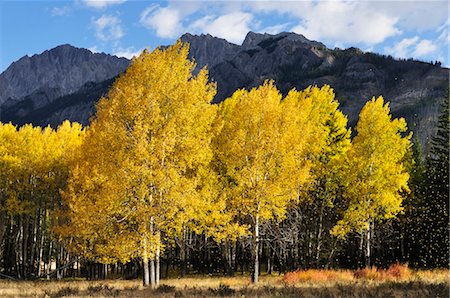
column 361, row 249
column 152, row 259
column 145, row 264
column 319, row 237
column 19, row 248
column 41, row 251
column 330, row 256
column 402, row 247
column 183, row 255
column 49, row 266
column 158, row 262
column 59, row 257
column 152, row 273
column 256, row 251
column 368, row 246
column 233, row 258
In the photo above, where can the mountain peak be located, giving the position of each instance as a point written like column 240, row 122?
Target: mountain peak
column 209, row 50
column 64, row 68
column 188, row 37
column 253, row 39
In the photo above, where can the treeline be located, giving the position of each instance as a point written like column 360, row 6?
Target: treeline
column 162, row 183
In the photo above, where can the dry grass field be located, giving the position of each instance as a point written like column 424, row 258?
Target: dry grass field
column 309, row 283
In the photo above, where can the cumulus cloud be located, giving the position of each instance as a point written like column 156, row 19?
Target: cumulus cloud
column 424, row 47
column 108, row 28
column 165, row 21
column 221, row 20
column 412, row 47
column 403, row 48
column 232, row 26
column 347, row 22
column 101, row 3
column 400, row 27
column 128, row 53
column 414, row 15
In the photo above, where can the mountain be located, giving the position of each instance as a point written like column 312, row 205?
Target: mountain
column 415, row 89
column 32, row 87
column 65, row 82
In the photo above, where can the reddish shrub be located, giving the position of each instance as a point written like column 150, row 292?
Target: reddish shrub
column 368, row 273
column 317, row 275
column 398, row 271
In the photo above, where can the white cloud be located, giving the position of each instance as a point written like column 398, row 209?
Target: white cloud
column 220, row 19
column 418, row 15
column 61, row 11
column 347, row 22
column 101, row 3
column 424, row 47
column 108, row 27
column 233, row 26
column 166, row 21
column 94, row 49
column 274, row 29
column 403, row 48
column 412, row 47
column 443, row 31
column 369, row 24
column 128, row 53
column 413, row 15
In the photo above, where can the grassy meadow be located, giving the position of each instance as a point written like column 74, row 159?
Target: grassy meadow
column 397, row 281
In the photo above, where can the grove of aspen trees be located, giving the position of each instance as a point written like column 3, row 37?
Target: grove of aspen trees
column 164, row 183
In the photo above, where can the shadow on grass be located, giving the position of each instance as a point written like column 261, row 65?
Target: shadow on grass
column 350, row 289
column 382, row 290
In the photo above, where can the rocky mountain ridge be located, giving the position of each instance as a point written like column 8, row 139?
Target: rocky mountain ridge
column 33, row 83
column 65, row 82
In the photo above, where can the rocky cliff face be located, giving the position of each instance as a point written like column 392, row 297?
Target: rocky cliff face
column 201, row 47
column 65, row 83
column 32, row 83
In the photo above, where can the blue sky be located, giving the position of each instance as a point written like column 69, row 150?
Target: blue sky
column 418, row 29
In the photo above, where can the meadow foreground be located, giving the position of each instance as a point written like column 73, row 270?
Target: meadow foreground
column 311, row 283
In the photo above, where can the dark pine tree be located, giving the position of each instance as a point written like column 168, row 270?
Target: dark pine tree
column 435, row 228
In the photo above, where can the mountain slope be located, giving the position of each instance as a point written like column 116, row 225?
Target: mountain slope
column 33, row 83
column 74, row 79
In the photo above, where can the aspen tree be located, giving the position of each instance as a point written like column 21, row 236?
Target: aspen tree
column 259, row 147
column 141, row 170
column 376, row 174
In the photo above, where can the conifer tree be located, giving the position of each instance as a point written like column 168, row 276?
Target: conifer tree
column 434, row 227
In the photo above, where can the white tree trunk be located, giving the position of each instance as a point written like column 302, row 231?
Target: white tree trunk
column 145, row 264
column 256, row 251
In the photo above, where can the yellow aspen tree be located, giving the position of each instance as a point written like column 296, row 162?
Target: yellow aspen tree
column 375, row 172
column 141, row 170
column 258, row 150
column 33, row 168
column 319, row 133
column 328, row 144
